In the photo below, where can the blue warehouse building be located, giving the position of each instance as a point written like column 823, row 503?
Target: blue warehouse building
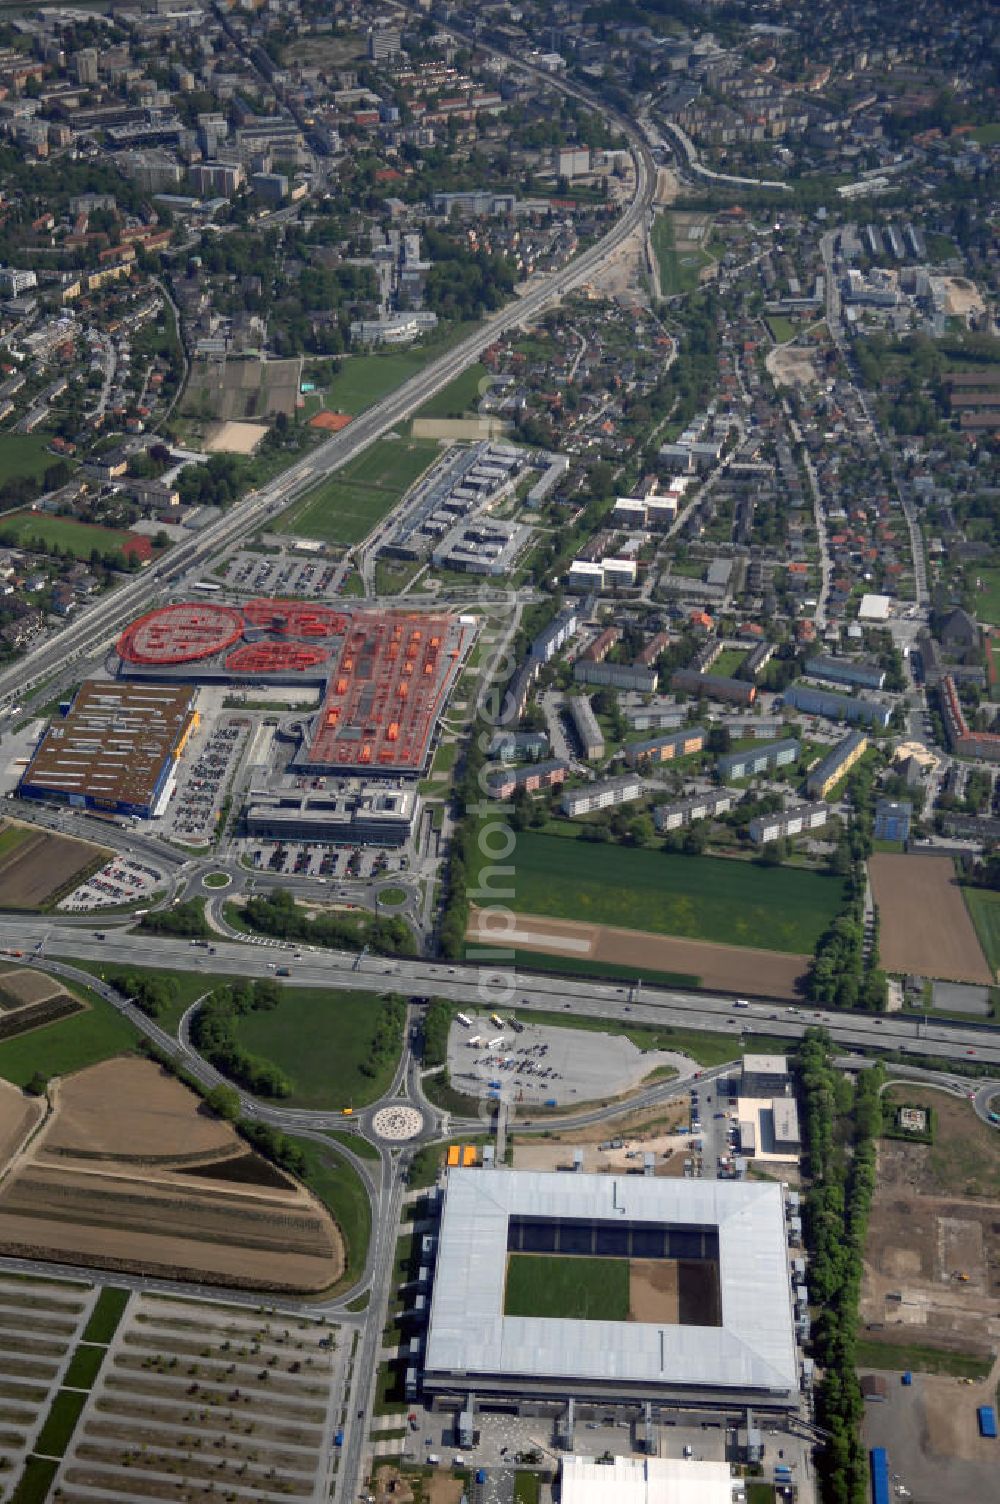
column 115, row 750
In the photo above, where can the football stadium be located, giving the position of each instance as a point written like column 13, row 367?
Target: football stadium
column 611, row 1288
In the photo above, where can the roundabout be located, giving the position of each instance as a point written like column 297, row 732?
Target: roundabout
column 398, row 1123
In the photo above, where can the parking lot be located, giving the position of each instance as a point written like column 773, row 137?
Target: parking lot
column 309, row 859
column 120, row 881
column 281, row 573
column 204, row 777
column 527, row 1062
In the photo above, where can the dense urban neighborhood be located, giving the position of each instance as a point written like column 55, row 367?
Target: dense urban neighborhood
column 500, row 752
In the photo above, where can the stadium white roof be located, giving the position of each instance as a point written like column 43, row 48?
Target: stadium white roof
column 647, row 1480
column 753, row 1348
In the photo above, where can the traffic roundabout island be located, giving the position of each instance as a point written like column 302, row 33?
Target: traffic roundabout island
column 393, row 897
column 397, row 1123
column 216, row 880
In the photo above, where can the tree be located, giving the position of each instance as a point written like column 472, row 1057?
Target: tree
column 224, row 1101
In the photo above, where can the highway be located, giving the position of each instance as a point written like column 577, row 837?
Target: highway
column 956, row 1041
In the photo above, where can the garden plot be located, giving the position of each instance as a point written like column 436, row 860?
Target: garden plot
column 40, row 1323
column 196, row 1398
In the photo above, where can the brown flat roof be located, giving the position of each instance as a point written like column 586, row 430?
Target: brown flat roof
column 112, row 745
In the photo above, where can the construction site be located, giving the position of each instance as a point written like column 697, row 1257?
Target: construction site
column 384, row 677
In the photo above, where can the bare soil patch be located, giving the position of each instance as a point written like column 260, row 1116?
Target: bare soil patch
column 653, row 1294
column 131, row 1111
column 104, row 1181
column 790, row 365
column 459, row 428
column 721, row 968
column 18, row 1115
column 932, row 1261
column 925, row 926
column 676, row 1292
column 235, row 438
column 42, row 865
column 391, row 1487
column 19, row 985
column 962, row 297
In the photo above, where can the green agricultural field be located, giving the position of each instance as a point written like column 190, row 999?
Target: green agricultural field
column 700, row 898
column 68, row 1045
column 566, row 1289
column 36, row 1481
column 324, row 1042
column 25, row 454
column 84, row 1366
column 458, row 398
column 344, row 508
column 77, row 538
column 13, row 836
column 984, row 907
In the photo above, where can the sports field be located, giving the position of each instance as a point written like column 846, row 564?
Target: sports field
column 345, row 508
column 24, row 454
column 325, row 1042
column 78, row 538
column 986, row 600
column 567, row 1289
column 984, row 906
column 700, row 898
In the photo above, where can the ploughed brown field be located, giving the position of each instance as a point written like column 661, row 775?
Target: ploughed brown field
column 40, row 864
column 132, row 1172
column 20, row 985
column 924, row 925
column 29, row 999
column 720, row 968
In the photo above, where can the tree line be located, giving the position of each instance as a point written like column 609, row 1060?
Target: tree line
column 838, row 976
column 277, row 914
column 841, row 1122
column 214, row 1035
